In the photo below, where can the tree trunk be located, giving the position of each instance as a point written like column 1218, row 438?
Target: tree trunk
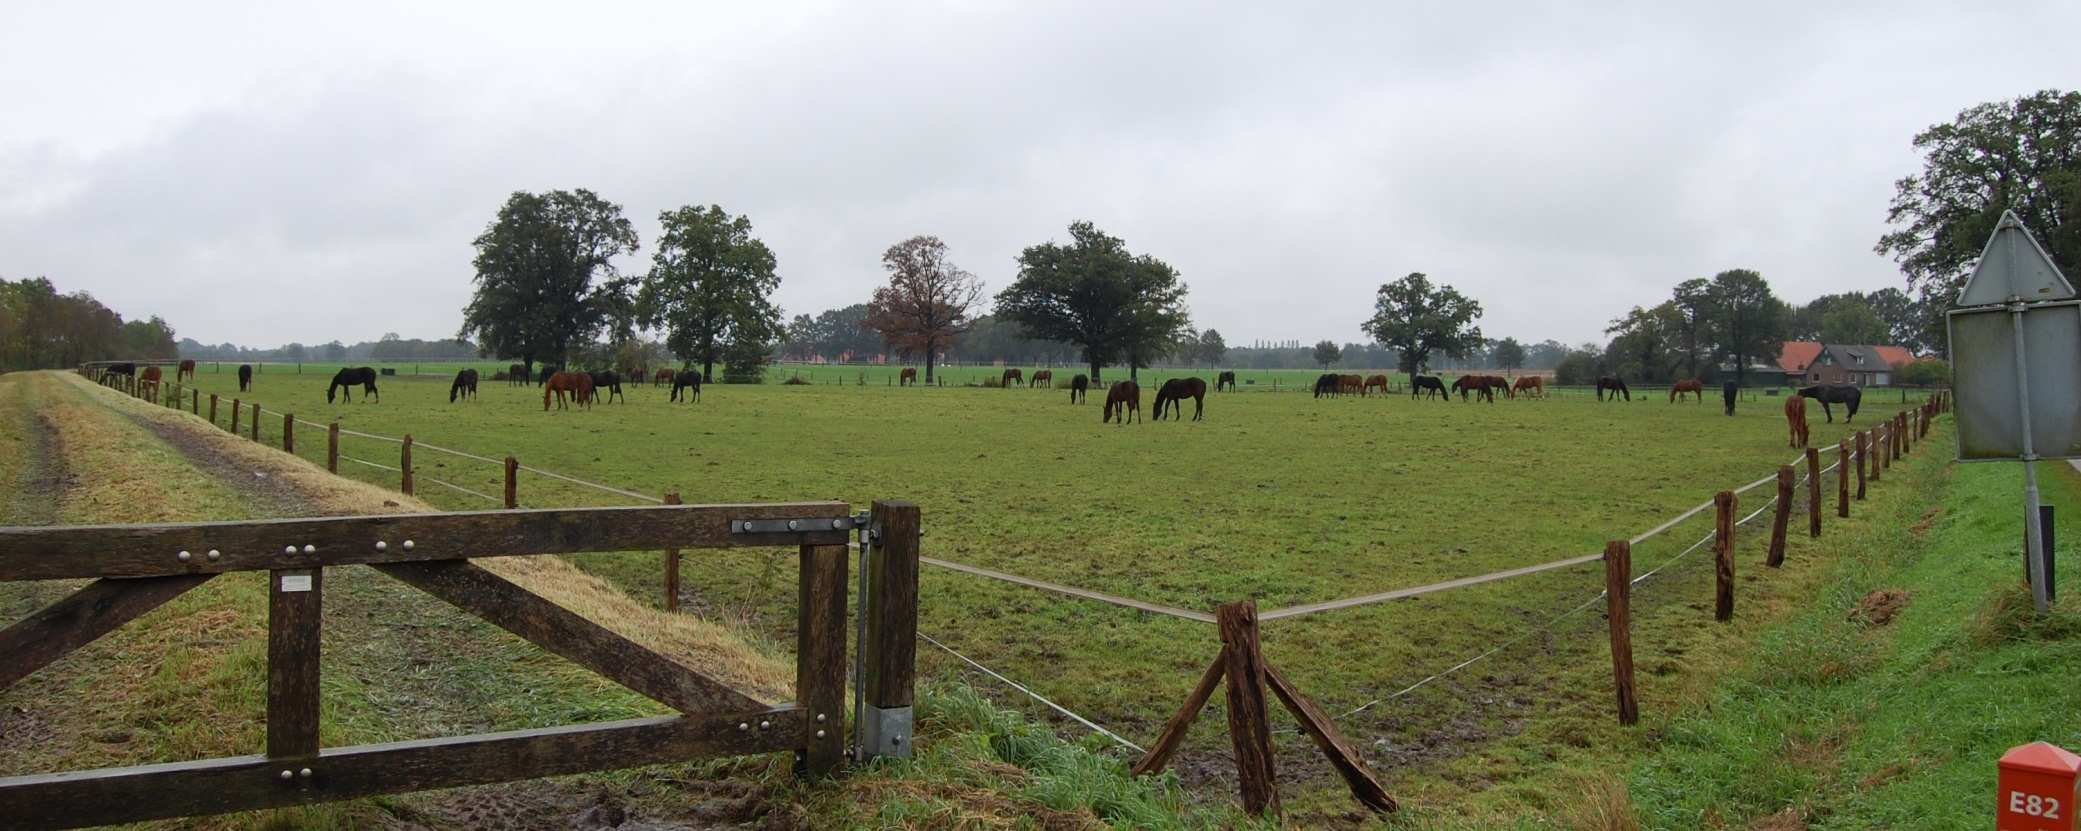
column 1094, row 372
column 928, row 362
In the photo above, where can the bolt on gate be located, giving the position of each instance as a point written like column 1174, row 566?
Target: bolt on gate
column 136, row 568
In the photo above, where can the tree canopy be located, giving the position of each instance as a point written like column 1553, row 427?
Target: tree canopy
column 41, row 328
column 536, row 264
column 1114, row 305
column 1326, row 353
column 1746, row 321
column 1417, row 318
column 1507, row 354
column 709, row 286
column 928, row 301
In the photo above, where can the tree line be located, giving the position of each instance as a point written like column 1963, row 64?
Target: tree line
column 41, row 328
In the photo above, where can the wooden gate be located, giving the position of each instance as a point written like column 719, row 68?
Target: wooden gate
column 138, row 567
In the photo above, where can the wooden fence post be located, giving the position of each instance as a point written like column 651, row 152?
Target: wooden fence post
column 195, row 405
column 1813, row 492
column 237, row 406
column 1249, row 728
column 1723, row 555
column 820, row 657
column 332, row 446
column 1842, row 478
column 1863, row 440
column 293, row 618
column 512, row 482
column 1618, row 598
column 1880, row 443
column 213, row 409
column 288, row 433
column 254, row 426
column 889, row 628
column 671, row 557
column 404, row 464
column 1776, row 556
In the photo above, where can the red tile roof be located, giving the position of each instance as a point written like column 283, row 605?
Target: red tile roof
column 1895, row 355
column 1796, row 354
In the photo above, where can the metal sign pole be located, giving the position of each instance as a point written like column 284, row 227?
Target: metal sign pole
column 2033, row 545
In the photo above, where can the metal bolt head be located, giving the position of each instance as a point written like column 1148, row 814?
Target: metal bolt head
column 214, row 555
column 765, row 724
column 895, row 739
column 382, row 546
column 408, row 545
column 820, row 718
column 287, row 775
column 310, row 549
column 305, row 773
column 793, row 525
column 289, row 551
column 743, row 726
column 183, row 556
column 820, row 734
column 838, row 523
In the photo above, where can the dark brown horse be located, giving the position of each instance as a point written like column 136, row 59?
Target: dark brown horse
column 1482, row 386
column 186, row 371
column 343, row 382
column 149, row 380
column 578, row 384
column 1328, row 383
column 608, row 384
column 1127, row 395
column 1617, row 387
column 688, row 380
column 1530, row 385
column 664, row 376
column 1174, row 392
column 1375, row 381
column 1351, row 384
column 1795, row 418
column 1690, row 385
column 1011, row 375
column 1225, row 381
column 465, row 385
column 245, row 377
column 1428, row 385
column 907, row 377
column 1042, row 378
column 1848, row 395
column 1077, row 388
column 517, row 374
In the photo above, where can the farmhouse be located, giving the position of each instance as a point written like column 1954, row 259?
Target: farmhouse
column 1813, row 362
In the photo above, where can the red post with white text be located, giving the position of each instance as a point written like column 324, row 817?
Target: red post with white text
column 2039, row 784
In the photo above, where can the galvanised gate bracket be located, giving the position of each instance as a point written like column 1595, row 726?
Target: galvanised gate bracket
column 783, row 526
column 885, row 732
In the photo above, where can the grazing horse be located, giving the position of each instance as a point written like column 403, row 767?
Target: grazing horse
column 1375, row 381
column 245, row 377
column 1795, row 418
column 578, row 384
column 1476, row 384
column 687, row 380
column 664, row 376
column 907, row 377
column 1730, row 391
column 609, row 384
column 1127, row 395
column 1078, row 387
column 1042, row 378
column 517, row 374
column 1010, row 375
column 1225, row 381
column 1486, row 386
column 120, row 369
column 1327, row 384
column 149, row 379
column 465, row 385
column 344, row 381
column 1691, row 385
column 1353, row 384
column 1848, row 395
column 1617, row 387
column 1173, row 393
column 186, row 371
column 1428, row 385
column 1532, row 385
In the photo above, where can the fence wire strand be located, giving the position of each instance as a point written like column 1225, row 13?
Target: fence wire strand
column 1035, row 696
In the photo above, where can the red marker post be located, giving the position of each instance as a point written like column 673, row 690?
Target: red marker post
column 2039, row 785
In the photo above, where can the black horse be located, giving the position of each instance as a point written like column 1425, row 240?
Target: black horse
column 1426, row 385
column 245, row 377
column 1616, row 385
column 344, row 381
column 1848, row 395
column 542, row 375
column 516, row 375
column 687, row 380
column 1078, row 387
column 1225, row 381
column 1174, row 392
column 606, row 385
column 465, row 385
column 120, row 369
column 1730, row 391
column 1328, row 384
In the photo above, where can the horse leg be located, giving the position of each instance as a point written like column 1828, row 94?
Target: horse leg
column 1199, row 406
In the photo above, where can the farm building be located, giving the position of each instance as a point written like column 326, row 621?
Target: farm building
column 1814, row 362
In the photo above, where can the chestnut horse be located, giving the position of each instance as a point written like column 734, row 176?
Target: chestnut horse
column 1127, row 395
column 1529, row 385
column 1353, row 384
column 578, row 384
column 1795, row 418
column 907, row 377
column 664, row 376
column 687, row 380
column 1011, row 375
column 465, row 385
column 1617, row 387
column 1375, row 381
column 1690, row 385
column 1078, row 387
column 245, row 377
column 343, row 382
column 1174, row 392
column 149, row 380
column 1225, row 381
column 186, row 372
column 1042, row 378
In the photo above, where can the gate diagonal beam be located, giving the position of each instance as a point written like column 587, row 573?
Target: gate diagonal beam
column 566, row 633
column 214, row 547
column 96, row 609
column 108, row 796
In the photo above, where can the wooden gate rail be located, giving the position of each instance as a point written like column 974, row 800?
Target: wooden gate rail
column 140, row 567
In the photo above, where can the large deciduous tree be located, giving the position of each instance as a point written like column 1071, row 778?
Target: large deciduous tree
column 2022, row 155
column 709, row 286
column 1692, row 301
column 1417, row 318
column 1327, row 352
column 928, row 302
column 1112, row 304
column 536, row 264
column 1745, row 319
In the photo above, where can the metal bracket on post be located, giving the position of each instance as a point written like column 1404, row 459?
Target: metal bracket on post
column 885, row 732
column 783, row 526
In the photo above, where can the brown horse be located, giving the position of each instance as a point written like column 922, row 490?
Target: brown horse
column 1127, row 395
column 1690, row 385
column 1042, row 378
column 1616, row 385
column 1795, row 418
column 1375, row 381
column 516, row 374
column 465, row 386
column 907, row 377
column 1077, row 388
column 148, row 380
column 1175, row 391
column 1225, row 381
column 1011, row 375
column 186, row 372
column 1531, row 385
column 245, row 379
column 578, row 384
column 664, row 376
column 1351, row 384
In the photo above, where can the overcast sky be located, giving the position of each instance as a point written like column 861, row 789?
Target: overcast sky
column 271, row 173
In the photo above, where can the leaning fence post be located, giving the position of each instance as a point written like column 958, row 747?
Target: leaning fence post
column 889, row 630
column 1618, row 598
column 1863, row 440
column 512, row 482
column 1776, row 557
column 1813, row 492
column 236, row 406
column 1249, row 729
column 255, row 425
column 288, row 433
column 1723, row 555
column 671, row 556
column 1842, row 478
column 332, row 446
column 404, row 464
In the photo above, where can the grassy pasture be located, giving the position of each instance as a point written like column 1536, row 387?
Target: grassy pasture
column 1283, row 498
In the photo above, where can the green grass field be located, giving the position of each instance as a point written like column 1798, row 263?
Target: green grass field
column 1282, row 498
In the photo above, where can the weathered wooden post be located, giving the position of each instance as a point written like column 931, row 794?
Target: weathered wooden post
column 512, row 482
column 293, row 626
column 1723, row 555
column 1618, row 598
column 1249, row 726
column 404, row 465
column 820, row 658
column 288, row 433
column 671, row 554
column 213, row 409
column 888, row 630
column 195, row 406
column 1776, row 556
column 1842, row 478
column 1813, row 492
column 254, row 425
column 1863, row 439
column 332, row 446
column 236, row 407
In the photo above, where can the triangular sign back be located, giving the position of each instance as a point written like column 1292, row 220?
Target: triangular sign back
column 2014, row 265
